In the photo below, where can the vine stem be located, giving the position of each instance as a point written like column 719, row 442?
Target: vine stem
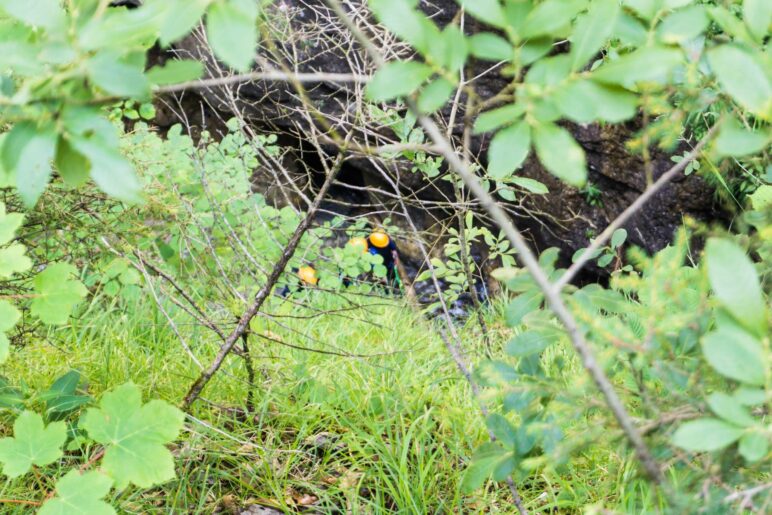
column 264, row 292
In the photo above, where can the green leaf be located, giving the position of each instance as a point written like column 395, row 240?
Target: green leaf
column 550, row 18
column 175, row 71
column 118, row 77
column 485, row 460
column 182, row 18
column 735, row 354
column 560, row 154
column 488, row 11
column 726, row 407
column 397, row 79
column 454, row 49
column 401, row 18
column 743, row 76
column 27, row 153
column 762, row 197
column 528, row 343
column 135, row 436
column 231, row 28
column 495, row 118
column 9, row 223
column 648, row 64
column 508, row 149
column 9, row 315
column 521, row 305
column 66, row 384
column 72, row 165
column 706, row 434
column 683, row 25
column 490, row 47
column 78, row 493
column 529, row 184
column 758, row 16
column 13, row 260
column 56, row 293
column 750, row 396
column 39, row 13
column 549, row 71
column 753, row 446
column 435, row 95
column 585, row 101
column 502, row 429
column 735, row 283
column 592, row 31
column 533, row 50
column 630, row 31
column 729, row 23
column 734, row 140
column 32, row 444
column 109, row 169
column 618, row 238
column 646, row 9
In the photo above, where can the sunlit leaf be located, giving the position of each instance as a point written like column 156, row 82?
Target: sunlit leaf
column 33, row 443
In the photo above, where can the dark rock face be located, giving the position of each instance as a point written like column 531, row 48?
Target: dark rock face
column 565, row 217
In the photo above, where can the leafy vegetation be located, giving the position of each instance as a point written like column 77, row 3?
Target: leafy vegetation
column 151, row 362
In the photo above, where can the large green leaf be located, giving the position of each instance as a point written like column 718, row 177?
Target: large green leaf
column 485, row 461
column 549, row 18
column 585, row 101
column 134, row 436
column 683, row 24
column 528, row 343
column 27, row 153
column 753, row 446
column 560, row 154
column 490, row 47
column 397, row 79
column 118, row 77
column 78, row 493
column 735, row 140
column 72, row 165
column 734, row 353
column 13, row 260
column 508, row 149
column 109, row 169
column 706, row 434
column 32, row 444
column 178, row 70
column 401, row 17
column 758, row 16
column 744, row 77
column 231, row 28
column 40, row 13
column 648, row 64
column 9, row 222
column 733, row 278
column 592, row 31
column 727, row 407
column 435, row 95
column 495, row 118
column 183, row 16
column 56, row 293
column 489, row 11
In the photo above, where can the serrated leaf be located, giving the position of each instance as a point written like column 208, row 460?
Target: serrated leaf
column 734, row 353
column 56, row 293
column 753, row 446
column 706, row 434
column 27, row 153
column 231, row 29
column 178, row 70
column 736, row 284
column 742, row 75
column 32, row 444
column 397, row 79
column 592, row 31
column 508, row 149
column 9, row 223
column 490, row 47
column 683, row 24
column 435, row 95
column 134, row 436
column 502, row 429
column 648, row 64
column 726, row 407
column 495, row 118
column 13, row 260
column 488, row 11
column 78, row 493
column 758, row 16
column 560, row 154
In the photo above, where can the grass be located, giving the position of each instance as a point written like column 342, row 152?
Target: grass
column 387, row 433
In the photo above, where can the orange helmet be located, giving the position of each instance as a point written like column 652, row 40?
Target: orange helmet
column 379, row 239
column 358, row 242
column 307, row 275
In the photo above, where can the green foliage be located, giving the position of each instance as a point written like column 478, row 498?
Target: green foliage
column 80, row 493
column 56, row 293
column 33, row 444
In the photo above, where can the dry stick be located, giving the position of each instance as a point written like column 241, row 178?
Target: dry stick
column 263, row 293
column 530, row 262
column 273, row 75
column 631, row 210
